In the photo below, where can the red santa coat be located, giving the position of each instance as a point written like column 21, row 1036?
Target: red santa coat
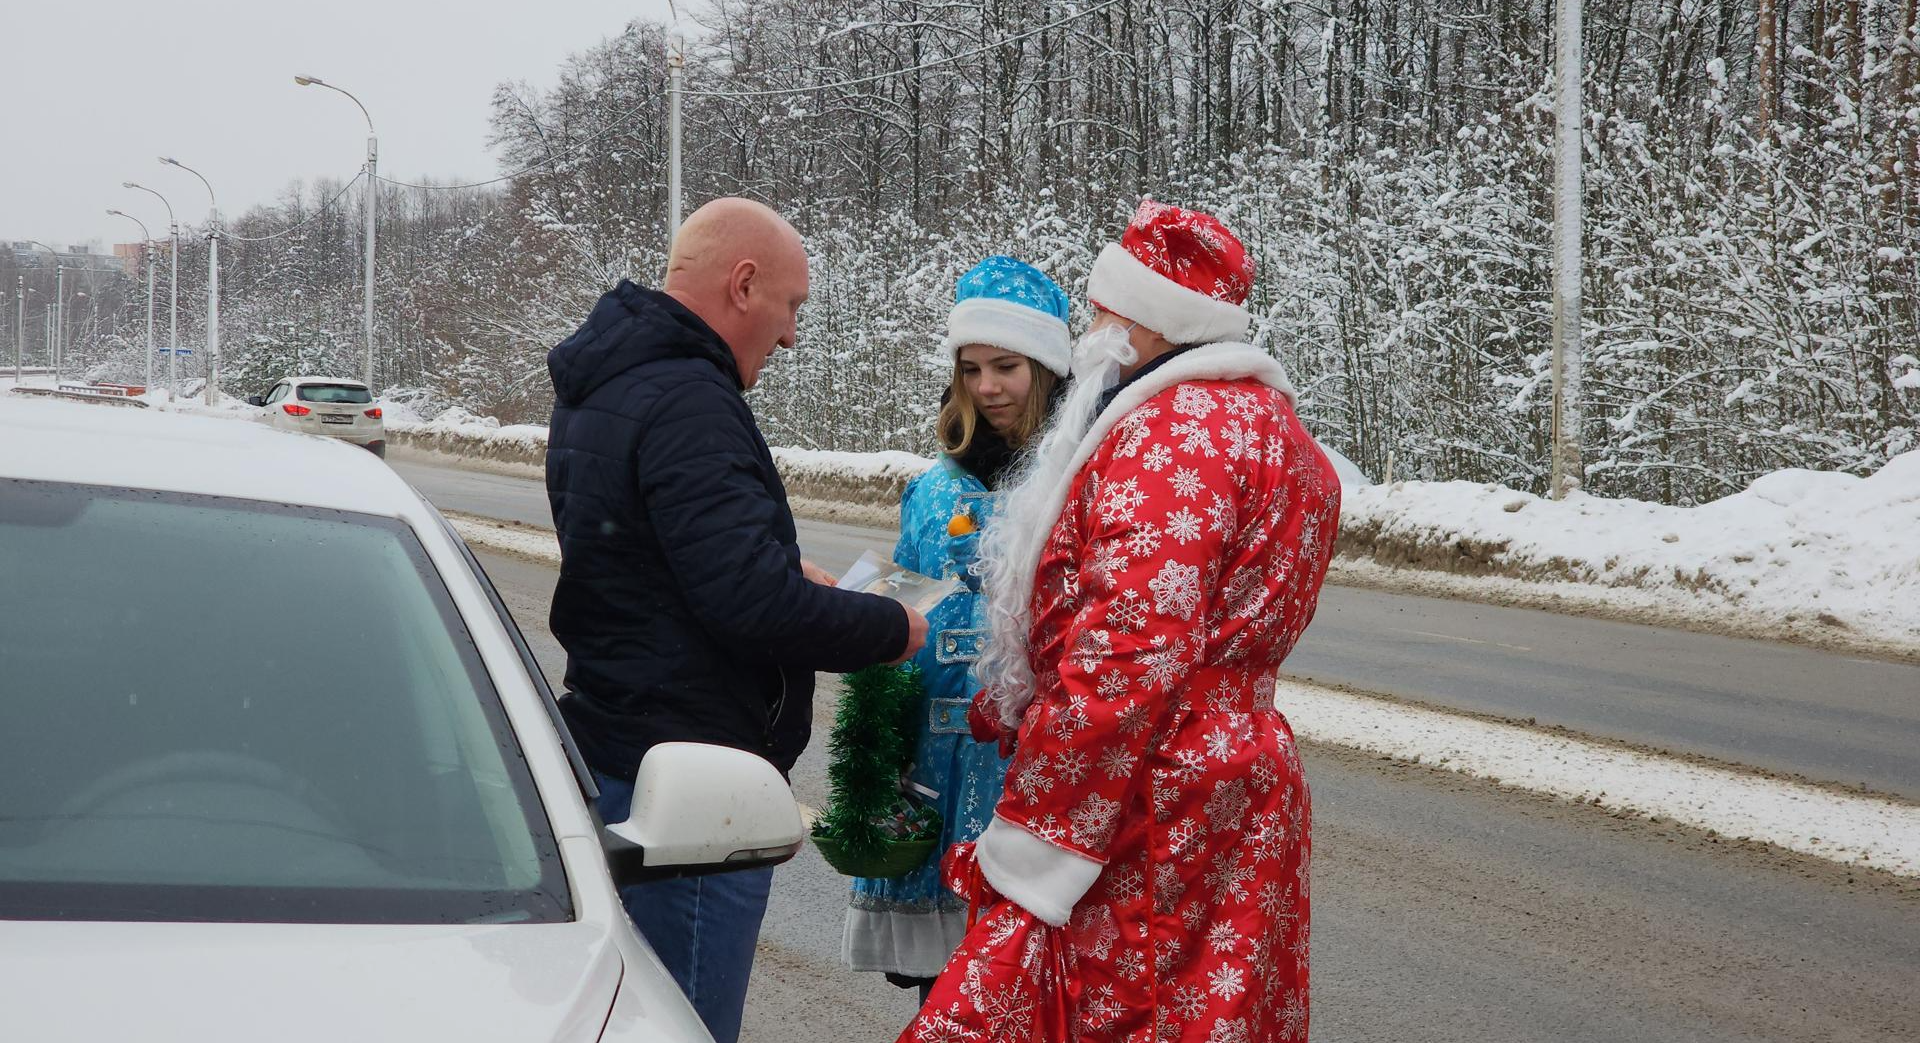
column 1153, row 841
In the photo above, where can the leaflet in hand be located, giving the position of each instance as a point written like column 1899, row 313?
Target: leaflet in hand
column 873, row 574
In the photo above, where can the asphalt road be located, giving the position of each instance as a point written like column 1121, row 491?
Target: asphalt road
column 1447, row 909
column 1770, row 705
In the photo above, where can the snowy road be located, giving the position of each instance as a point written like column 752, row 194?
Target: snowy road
column 1775, row 706
column 1447, row 909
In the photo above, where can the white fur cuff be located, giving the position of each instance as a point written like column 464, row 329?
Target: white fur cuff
column 1123, row 285
column 1045, row 880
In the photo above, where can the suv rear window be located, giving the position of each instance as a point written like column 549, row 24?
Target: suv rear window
column 342, row 394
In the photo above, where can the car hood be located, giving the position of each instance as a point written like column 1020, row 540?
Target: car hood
column 160, row 982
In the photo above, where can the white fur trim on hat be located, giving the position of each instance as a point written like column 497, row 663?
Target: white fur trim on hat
column 1014, row 327
column 1124, row 285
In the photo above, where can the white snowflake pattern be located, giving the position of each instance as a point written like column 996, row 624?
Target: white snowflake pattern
column 1167, row 889
column 1183, row 839
column 1133, row 430
column 1164, row 666
column 1127, row 886
column 1195, row 438
column 1072, row 719
column 1188, row 765
column 937, row 1027
column 1268, row 837
column 1031, row 780
column 1048, row 828
column 1119, row 500
column 1246, row 593
column 1275, row 454
column 1225, row 1031
column 1228, row 878
column 1227, row 981
column 1090, row 649
column 1222, row 515
column 1157, row 458
column 1293, row 1016
column 1134, row 719
column 1228, row 806
column 1102, row 1009
column 1193, row 915
column 1187, row 483
column 1243, row 442
column 1133, row 962
column 1188, row 1002
column 1106, row 563
column 1194, row 401
column 1113, row 685
column 1265, row 772
column 1241, row 403
column 1127, row 611
column 1183, row 525
column 1176, row 589
column 1220, row 744
column 1073, row 767
column 1117, row 762
column 1143, row 540
column 1093, row 821
column 1097, row 928
column 1222, row 938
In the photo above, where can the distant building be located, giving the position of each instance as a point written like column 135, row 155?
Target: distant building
column 27, row 255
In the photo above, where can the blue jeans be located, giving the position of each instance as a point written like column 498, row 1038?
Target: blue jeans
column 703, row 928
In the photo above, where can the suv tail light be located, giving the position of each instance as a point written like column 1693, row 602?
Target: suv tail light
column 374, row 413
column 293, row 410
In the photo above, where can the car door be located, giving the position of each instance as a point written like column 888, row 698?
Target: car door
column 270, row 411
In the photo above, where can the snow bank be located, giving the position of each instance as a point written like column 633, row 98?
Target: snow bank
column 1797, row 548
column 1848, row 828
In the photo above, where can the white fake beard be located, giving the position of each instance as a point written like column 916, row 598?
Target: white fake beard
column 1030, row 504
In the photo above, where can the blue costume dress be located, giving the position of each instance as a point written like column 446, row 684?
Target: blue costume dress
column 910, row 925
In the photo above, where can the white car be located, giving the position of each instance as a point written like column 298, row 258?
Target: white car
column 329, row 406
column 275, row 763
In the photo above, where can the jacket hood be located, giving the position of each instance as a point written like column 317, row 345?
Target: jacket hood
column 632, row 326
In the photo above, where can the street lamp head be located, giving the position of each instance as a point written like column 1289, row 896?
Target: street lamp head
column 169, row 161
column 128, row 184
column 308, row 81
column 115, row 213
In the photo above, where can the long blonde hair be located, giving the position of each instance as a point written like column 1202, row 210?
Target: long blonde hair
column 960, row 415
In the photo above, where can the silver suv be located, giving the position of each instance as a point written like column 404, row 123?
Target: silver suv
column 329, row 406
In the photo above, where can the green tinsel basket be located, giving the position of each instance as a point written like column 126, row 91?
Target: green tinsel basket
column 870, row 828
column 894, row 858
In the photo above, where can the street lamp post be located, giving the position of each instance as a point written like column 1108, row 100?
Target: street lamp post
column 213, row 280
column 20, row 330
column 371, row 197
column 173, row 295
column 147, row 241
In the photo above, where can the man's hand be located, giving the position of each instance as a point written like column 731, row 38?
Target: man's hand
column 916, row 635
column 816, row 574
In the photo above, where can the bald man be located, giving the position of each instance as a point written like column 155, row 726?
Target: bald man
column 683, row 604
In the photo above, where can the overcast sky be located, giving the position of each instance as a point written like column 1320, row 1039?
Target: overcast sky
column 95, row 90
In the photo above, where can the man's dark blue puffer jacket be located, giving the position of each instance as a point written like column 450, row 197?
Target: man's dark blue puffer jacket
column 681, row 603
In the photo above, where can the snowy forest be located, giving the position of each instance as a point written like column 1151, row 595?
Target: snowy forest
column 1752, row 192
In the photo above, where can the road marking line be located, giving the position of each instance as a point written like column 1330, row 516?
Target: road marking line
column 1463, row 640
column 1846, row 828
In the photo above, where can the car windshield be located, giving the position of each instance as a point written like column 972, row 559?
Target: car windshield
column 221, row 710
column 342, row 394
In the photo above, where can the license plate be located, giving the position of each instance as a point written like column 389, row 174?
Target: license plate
column 336, row 418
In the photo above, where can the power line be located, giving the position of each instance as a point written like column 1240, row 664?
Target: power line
column 317, row 214
column 621, row 120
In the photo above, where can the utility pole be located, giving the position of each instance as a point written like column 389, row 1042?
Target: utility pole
column 676, row 83
column 20, row 331
column 213, row 281
column 146, row 239
column 1567, row 219
column 173, row 295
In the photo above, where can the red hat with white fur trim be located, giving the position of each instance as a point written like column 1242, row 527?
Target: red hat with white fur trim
column 1179, row 273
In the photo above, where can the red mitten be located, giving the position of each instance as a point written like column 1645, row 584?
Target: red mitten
column 983, row 720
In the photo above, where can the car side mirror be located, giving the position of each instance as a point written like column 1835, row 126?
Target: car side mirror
column 256, row 400
column 701, row 809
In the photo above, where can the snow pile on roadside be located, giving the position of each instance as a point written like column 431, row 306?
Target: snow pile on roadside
column 1798, row 548
column 890, row 466
column 456, row 426
column 1847, row 828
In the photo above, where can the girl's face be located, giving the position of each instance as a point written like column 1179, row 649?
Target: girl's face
column 998, row 381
